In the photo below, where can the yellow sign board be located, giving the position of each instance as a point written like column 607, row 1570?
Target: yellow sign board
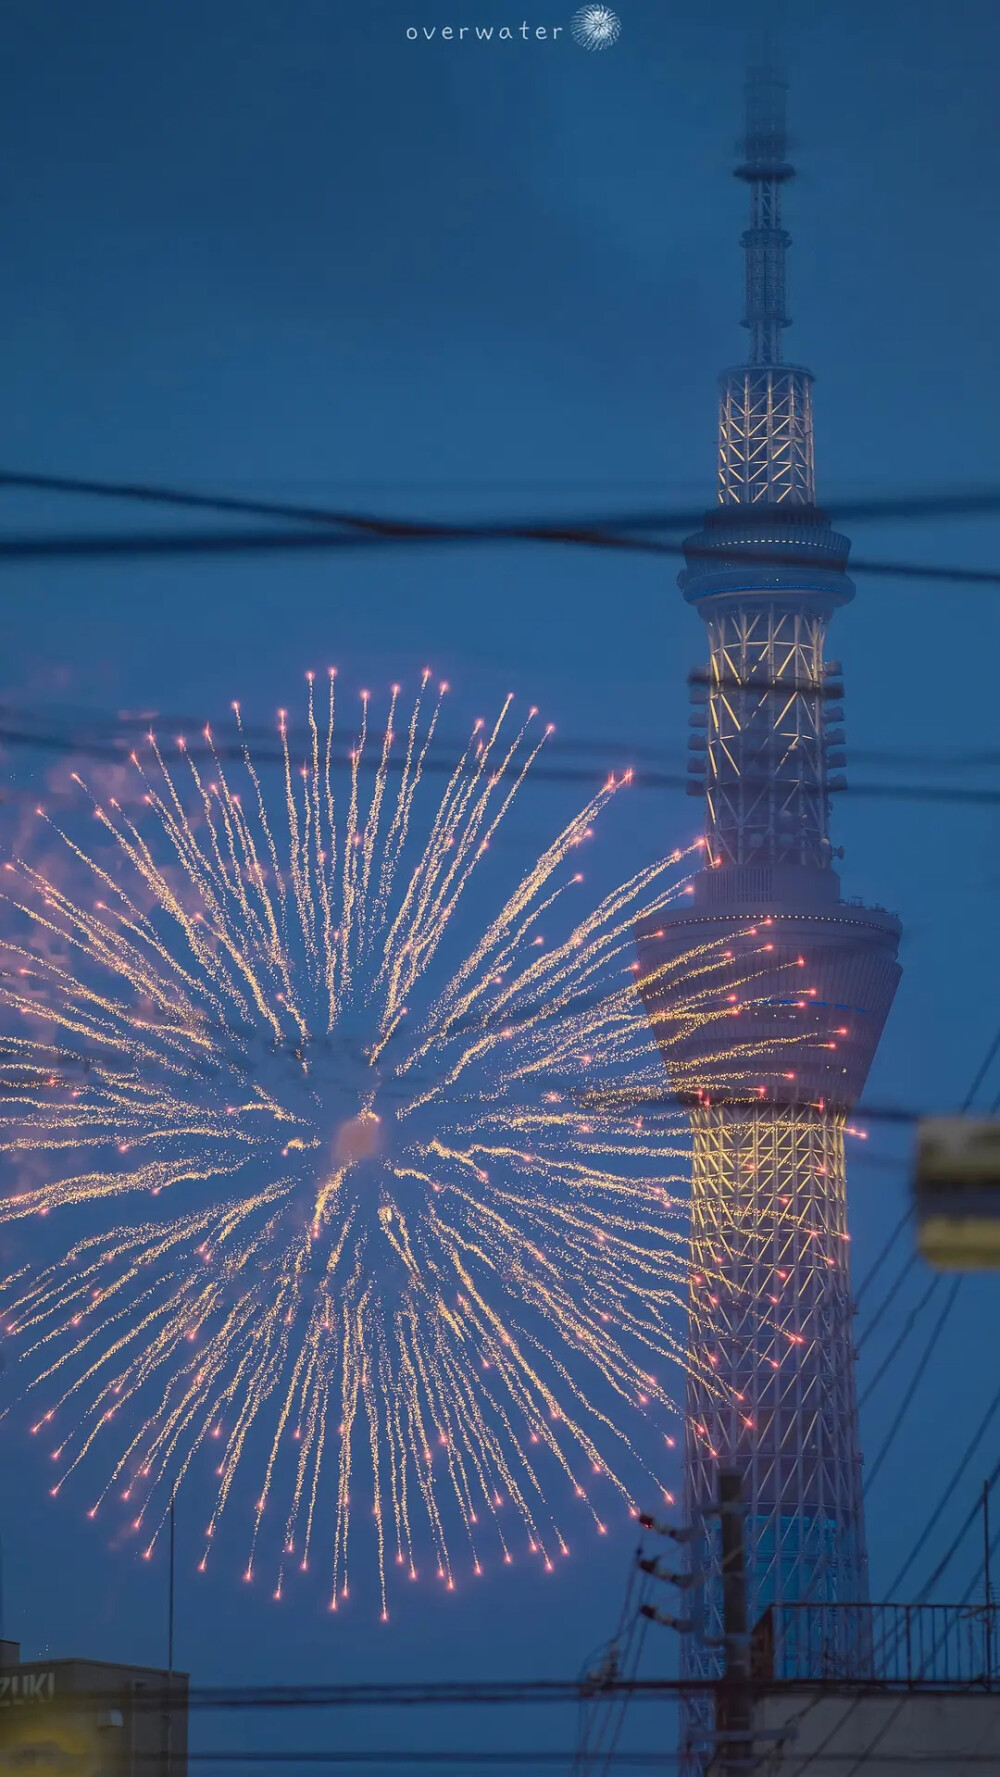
column 957, row 1193
column 51, row 1740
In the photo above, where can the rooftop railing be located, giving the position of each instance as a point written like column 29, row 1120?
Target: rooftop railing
column 900, row 1646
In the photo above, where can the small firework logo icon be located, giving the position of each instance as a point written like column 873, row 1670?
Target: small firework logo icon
column 595, row 27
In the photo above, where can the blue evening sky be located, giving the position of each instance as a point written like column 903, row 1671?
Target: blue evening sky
column 280, row 249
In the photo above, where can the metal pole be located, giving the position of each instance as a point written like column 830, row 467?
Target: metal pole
column 733, row 1709
column 986, row 1583
column 170, row 1594
column 3, row 1366
column 170, row 1645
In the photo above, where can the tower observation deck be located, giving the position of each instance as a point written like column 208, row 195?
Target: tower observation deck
column 809, row 977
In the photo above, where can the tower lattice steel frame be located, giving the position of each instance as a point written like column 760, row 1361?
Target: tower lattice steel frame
column 809, row 977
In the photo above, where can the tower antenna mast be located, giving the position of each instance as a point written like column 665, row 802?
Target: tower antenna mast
column 765, row 169
column 766, row 427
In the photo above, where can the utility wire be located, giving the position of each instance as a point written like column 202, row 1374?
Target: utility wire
column 459, row 1694
column 967, row 502
column 333, row 529
column 992, row 1050
column 601, row 529
column 955, row 1544
column 122, row 545
column 918, row 1375
column 153, row 1699
column 908, row 1326
column 646, row 1761
column 123, row 727
column 821, row 1752
column 948, row 1494
column 590, row 775
column 946, row 1559
column 982, row 1071
column 979, row 1574
column 616, row 1666
column 120, row 727
column 890, row 1294
column 876, row 1267
column 654, row 1759
column 638, row 1638
column 633, row 1651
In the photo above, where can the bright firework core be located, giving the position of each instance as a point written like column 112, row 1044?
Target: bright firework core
column 335, row 1125
column 351, row 1190
column 349, row 1132
column 360, row 1138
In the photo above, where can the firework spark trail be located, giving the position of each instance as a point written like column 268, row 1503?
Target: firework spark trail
column 401, row 1228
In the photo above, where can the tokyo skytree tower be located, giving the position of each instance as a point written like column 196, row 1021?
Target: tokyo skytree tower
column 802, row 980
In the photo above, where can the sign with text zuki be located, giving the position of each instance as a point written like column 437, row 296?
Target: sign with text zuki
column 26, row 1687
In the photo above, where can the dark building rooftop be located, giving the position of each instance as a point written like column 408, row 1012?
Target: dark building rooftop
column 111, row 1720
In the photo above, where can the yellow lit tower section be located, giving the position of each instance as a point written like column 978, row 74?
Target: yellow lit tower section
column 801, row 980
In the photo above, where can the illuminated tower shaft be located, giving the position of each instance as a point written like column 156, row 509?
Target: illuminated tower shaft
column 801, row 981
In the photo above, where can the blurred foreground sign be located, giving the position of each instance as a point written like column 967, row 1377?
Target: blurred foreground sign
column 957, row 1193
column 52, row 1740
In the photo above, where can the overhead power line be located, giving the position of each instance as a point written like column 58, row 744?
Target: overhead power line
column 87, row 744
column 991, row 1052
column 948, row 1494
column 645, row 1761
column 920, row 1371
column 112, row 728
column 136, row 545
column 987, row 1062
column 908, row 1326
column 417, row 1695
column 959, row 503
column 654, row 1759
column 893, row 1289
column 877, row 1264
column 329, row 529
column 435, row 1695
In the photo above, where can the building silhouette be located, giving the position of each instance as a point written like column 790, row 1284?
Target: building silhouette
column 91, row 1717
